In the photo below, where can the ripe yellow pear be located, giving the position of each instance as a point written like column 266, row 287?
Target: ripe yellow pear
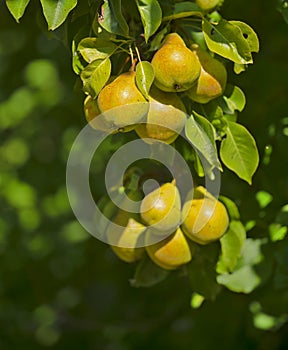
column 128, row 243
column 166, row 108
column 208, row 226
column 176, row 67
column 212, row 79
column 208, row 5
column 122, row 92
column 162, row 208
column 171, row 252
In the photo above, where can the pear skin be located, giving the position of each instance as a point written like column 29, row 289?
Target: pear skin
column 162, row 208
column 91, row 111
column 122, row 92
column 208, row 5
column 176, row 67
column 126, row 243
column 166, row 108
column 208, row 226
column 171, row 252
column 212, row 79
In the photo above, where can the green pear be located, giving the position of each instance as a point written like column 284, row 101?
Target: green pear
column 126, row 243
column 208, row 5
column 91, row 111
column 171, row 252
column 209, row 225
column 122, row 92
column 162, row 208
column 166, row 108
column 212, row 79
column 176, row 67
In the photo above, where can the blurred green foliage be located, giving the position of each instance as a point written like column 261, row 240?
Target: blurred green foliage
column 63, row 289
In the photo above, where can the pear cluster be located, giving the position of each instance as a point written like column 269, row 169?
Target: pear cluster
column 166, row 230
column 179, row 71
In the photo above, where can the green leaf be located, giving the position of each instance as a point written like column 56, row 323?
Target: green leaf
column 92, row 49
column 263, row 198
column 17, row 7
column 239, row 152
column 56, row 11
column 202, row 274
column 244, row 280
column 95, row 76
column 277, row 232
column 201, row 134
column 112, row 18
column 76, row 60
column 231, row 247
column 239, row 68
column 248, row 34
column 231, row 208
column 247, row 276
column 227, row 40
column 196, row 300
column 158, row 39
column 283, row 9
column 151, row 16
column 148, row 274
column 233, row 100
column 182, row 10
column 144, row 77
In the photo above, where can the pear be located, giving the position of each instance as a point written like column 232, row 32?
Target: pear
column 212, row 79
column 176, row 67
column 126, row 243
column 208, row 5
column 91, row 111
column 208, row 226
column 162, row 208
column 166, row 108
column 171, row 252
column 122, row 92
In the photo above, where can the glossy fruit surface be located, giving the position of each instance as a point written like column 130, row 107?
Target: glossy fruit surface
column 122, row 92
column 127, row 243
column 171, row 252
column 176, row 67
column 162, row 208
column 204, row 219
column 166, row 108
column 212, row 79
column 208, row 5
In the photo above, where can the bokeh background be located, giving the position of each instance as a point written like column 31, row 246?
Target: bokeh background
column 62, row 289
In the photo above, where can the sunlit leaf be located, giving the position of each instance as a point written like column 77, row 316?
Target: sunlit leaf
column 248, row 34
column 231, row 247
column 144, row 77
column 92, row 49
column 17, row 7
column 244, row 280
column 239, row 151
column 95, row 76
column 151, row 16
column 227, row 40
column 201, row 134
column 231, row 208
column 233, row 99
column 56, row 11
column 263, row 198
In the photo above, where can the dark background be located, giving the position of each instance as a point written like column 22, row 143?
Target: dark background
column 63, row 289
